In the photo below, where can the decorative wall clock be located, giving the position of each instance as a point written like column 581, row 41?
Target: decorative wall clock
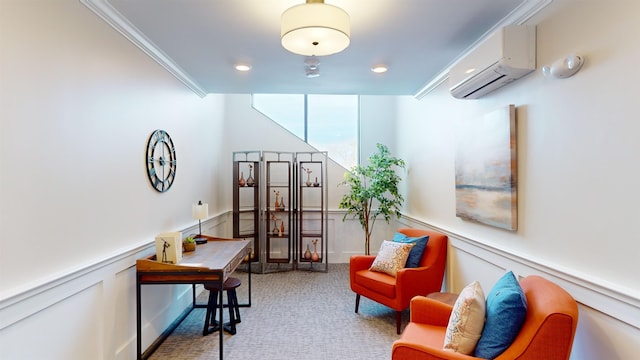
column 161, row 160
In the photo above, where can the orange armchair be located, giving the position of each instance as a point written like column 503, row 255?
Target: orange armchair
column 547, row 333
column 396, row 292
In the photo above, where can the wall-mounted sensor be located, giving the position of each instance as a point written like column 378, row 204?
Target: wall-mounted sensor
column 565, row 67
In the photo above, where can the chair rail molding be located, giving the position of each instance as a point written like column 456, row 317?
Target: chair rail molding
column 111, row 278
column 603, row 296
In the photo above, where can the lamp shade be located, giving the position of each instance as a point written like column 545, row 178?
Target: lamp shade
column 200, row 211
column 315, row 29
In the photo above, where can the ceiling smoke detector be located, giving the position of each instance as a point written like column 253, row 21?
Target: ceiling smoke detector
column 313, row 67
column 312, row 73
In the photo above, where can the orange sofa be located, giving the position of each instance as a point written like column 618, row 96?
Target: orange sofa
column 547, row 333
column 396, row 292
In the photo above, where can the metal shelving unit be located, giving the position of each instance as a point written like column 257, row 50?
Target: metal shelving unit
column 283, row 210
column 246, row 200
column 311, row 211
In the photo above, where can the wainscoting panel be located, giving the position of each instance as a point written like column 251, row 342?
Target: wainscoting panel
column 609, row 323
column 465, row 267
column 78, row 316
column 90, row 313
column 346, row 237
column 125, row 308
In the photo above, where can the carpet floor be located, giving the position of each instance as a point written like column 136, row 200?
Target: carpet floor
column 294, row 315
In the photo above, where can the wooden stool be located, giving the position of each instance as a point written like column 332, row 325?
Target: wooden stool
column 210, row 323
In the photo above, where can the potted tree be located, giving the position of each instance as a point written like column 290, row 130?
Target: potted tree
column 375, row 184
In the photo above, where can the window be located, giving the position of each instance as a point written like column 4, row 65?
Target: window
column 326, row 122
column 285, row 109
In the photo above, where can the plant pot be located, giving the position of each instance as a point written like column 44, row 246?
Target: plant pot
column 189, row 247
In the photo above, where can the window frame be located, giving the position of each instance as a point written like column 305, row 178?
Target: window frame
column 305, row 121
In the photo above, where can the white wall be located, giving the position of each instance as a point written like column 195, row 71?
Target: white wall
column 377, row 125
column 77, row 104
column 577, row 173
column 247, row 129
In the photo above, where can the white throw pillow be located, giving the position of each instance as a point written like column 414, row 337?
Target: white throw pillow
column 466, row 321
column 391, row 257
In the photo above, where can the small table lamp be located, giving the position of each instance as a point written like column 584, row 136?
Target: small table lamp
column 200, row 211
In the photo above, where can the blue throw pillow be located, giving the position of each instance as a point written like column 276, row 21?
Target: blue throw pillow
column 415, row 255
column 506, row 311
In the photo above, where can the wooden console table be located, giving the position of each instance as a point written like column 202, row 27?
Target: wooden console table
column 211, row 262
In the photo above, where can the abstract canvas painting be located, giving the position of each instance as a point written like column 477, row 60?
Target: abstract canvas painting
column 486, row 169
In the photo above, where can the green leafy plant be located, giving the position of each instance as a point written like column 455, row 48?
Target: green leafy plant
column 189, row 240
column 373, row 185
column 189, row 244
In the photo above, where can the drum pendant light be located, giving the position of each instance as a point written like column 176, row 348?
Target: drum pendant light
column 315, row 29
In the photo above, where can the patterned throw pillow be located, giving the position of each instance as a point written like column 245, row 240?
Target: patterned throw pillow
column 466, row 321
column 391, row 257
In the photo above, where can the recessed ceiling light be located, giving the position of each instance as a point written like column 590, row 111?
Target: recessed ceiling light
column 243, row 67
column 379, row 69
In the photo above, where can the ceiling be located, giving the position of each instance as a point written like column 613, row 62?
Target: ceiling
column 199, row 41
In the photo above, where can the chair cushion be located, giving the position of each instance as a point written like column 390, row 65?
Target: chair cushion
column 506, row 311
column 415, row 255
column 378, row 282
column 466, row 321
column 391, row 257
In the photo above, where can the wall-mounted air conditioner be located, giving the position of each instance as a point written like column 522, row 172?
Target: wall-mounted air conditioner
column 505, row 56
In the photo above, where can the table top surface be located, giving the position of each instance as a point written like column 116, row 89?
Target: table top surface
column 218, row 254
column 445, row 297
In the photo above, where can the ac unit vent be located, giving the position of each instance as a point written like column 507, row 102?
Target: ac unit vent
column 505, row 56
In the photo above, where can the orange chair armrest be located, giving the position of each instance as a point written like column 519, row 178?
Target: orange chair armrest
column 361, row 262
column 412, row 275
column 416, row 281
column 429, row 311
column 416, row 351
column 357, row 263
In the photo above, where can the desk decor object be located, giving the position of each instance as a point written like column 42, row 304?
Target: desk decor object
column 200, row 212
column 189, row 244
column 169, row 247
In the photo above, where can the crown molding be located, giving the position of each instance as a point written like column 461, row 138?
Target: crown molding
column 518, row 16
column 111, row 16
